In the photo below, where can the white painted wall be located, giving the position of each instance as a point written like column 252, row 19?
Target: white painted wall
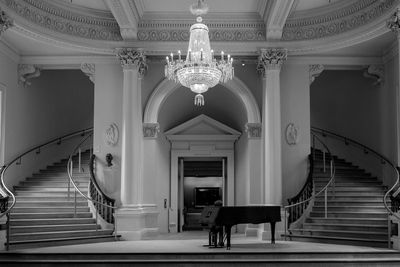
column 295, row 108
column 107, row 110
column 349, row 104
column 55, row 104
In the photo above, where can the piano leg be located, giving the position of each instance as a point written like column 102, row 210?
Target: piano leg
column 228, row 236
column 272, row 232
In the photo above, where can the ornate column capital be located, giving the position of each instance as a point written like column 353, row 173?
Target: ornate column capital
column 27, row 72
column 151, row 130
column 271, row 59
column 131, row 57
column 394, row 22
column 314, row 71
column 5, row 22
column 89, row 70
column 253, row 130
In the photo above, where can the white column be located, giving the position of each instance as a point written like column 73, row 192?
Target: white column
column 134, row 64
column 134, row 219
column 270, row 62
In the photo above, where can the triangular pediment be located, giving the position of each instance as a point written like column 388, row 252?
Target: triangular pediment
column 202, row 125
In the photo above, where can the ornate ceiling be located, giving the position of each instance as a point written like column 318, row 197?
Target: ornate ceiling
column 99, row 26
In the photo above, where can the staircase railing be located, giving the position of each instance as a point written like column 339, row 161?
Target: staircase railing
column 103, row 204
column 6, row 195
column 394, row 190
column 299, row 203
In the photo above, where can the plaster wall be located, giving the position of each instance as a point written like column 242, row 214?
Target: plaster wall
column 347, row 103
column 56, row 103
column 295, row 108
column 108, row 109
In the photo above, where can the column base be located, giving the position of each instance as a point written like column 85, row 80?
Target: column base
column 136, row 222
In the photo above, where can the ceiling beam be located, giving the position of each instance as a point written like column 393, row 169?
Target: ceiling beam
column 274, row 13
column 127, row 13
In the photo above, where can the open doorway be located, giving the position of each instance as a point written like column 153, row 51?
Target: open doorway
column 202, row 181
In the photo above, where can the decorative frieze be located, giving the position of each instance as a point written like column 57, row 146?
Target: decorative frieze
column 51, row 16
column 27, row 72
column 336, row 22
column 314, row 71
column 131, row 57
column 253, row 130
column 151, row 130
column 394, row 22
column 89, row 70
column 271, row 58
column 5, row 22
column 376, row 72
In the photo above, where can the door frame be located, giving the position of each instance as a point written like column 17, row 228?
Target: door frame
column 176, row 154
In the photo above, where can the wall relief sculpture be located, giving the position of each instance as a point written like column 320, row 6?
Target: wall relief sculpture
column 292, row 134
column 111, row 135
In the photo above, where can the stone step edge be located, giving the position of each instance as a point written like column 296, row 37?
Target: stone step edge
column 63, row 232
column 61, row 239
column 338, row 231
column 336, row 238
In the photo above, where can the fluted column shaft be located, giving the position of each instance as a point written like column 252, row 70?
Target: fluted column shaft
column 270, row 62
column 134, row 65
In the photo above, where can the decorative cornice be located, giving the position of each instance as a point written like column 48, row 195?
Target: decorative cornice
column 27, row 72
column 394, row 22
column 271, row 59
column 253, row 130
column 376, row 72
column 218, row 31
column 131, row 57
column 5, row 22
column 151, row 130
column 339, row 21
column 64, row 21
column 89, row 70
column 314, row 71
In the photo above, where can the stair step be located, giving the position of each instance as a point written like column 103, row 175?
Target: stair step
column 342, row 188
column 47, row 194
column 340, row 240
column 349, row 198
column 347, row 227
column 348, row 220
column 50, row 215
column 356, row 194
column 54, row 235
column 41, row 197
column 47, row 189
column 337, row 214
column 60, row 175
column 28, row 204
column 52, row 221
column 350, row 209
column 52, row 228
column 16, row 210
column 61, row 241
column 346, row 203
column 52, row 183
column 367, row 235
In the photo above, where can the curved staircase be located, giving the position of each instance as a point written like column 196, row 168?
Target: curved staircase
column 44, row 213
column 356, row 214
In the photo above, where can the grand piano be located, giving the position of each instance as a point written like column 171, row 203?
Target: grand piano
column 216, row 218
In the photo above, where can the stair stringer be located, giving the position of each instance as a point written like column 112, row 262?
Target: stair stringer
column 299, row 222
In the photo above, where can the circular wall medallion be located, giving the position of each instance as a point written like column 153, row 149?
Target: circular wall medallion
column 111, row 135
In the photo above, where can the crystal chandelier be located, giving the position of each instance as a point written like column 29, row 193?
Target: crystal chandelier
column 200, row 70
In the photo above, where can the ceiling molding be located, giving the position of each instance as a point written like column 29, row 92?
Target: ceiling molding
column 127, row 14
column 274, row 16
column 9, row 50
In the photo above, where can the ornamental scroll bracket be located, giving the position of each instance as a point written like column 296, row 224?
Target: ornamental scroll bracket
column 27, row 72
column 394, row 22
column 315, row 71
column 376, row 72
column 253, row 130
column 5, row 22
column 89, row 70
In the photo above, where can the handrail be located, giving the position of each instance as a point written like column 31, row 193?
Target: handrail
column 377, row 154
column 101, row 195
column 18, row 160
column 324, row 189
column 71, row 181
